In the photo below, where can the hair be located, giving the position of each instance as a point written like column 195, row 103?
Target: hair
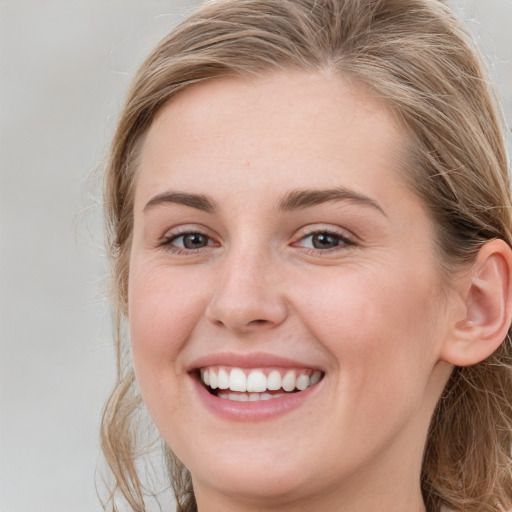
column 417, row 58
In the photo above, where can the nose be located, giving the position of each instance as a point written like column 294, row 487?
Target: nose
column 249, row 294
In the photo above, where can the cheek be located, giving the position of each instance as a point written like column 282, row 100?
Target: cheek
column 378, row 325
column 163, row 311
column 163, row 305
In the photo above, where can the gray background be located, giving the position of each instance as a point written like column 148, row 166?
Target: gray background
column 64, row 68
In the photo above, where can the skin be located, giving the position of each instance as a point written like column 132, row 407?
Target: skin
column 373, row 312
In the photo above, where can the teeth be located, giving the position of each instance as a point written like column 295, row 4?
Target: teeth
column 223, row 379
column 237, row 380
column 247, row 397
column 289, row 381
column 274, row 380
column 213, row 380
column 303, row 382
column 255, row 382
column 238, row 397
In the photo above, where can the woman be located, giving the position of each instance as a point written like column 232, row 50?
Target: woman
column 308, row 214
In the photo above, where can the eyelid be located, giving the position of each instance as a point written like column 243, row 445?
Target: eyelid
column 183, row 229
column 312, row 229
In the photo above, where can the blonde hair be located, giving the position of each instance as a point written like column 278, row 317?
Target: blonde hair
column 418, row 59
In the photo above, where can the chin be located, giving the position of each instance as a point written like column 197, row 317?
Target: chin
column 258, row 484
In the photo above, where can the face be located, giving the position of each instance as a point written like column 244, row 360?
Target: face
column 285, row 307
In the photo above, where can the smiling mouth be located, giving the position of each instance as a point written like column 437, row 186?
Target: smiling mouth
column 248, row 385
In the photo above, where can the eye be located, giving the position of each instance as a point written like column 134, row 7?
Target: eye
column 324, row 240
column 189, row 241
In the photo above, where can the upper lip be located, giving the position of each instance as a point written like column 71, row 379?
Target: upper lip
column 248, row 360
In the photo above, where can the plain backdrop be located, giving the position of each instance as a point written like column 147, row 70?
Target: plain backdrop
column 64, row 68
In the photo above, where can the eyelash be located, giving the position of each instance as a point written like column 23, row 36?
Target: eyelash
column 343, row 242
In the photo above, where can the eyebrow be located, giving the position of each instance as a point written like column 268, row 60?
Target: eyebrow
column 198, row 201
column 294, row 200
column 302, row 199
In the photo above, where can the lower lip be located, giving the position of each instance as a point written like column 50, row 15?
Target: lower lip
column 259, row 410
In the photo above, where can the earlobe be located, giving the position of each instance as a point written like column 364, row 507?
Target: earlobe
column 487, row 296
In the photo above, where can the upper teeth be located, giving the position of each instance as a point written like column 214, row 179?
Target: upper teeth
column 259, row 380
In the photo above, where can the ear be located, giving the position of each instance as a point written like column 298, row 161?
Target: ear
column 486, row 293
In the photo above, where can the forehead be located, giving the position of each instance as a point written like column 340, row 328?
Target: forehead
column 288, row 129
